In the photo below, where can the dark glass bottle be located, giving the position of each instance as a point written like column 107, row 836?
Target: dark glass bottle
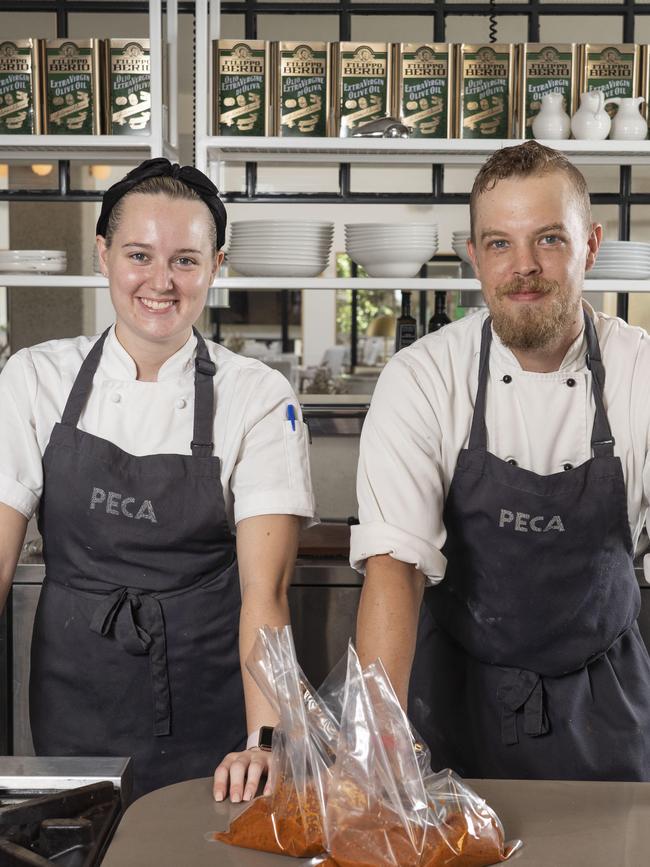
column 439, row 318
column 406, row 328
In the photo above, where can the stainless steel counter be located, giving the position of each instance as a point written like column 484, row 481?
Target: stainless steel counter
column 562, row 824
column 311, row 572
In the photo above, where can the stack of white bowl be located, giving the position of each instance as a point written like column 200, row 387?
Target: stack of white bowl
column 391, row 249
column 279, row 248
column 621, row 260
column 33, row 261
column 459, row 245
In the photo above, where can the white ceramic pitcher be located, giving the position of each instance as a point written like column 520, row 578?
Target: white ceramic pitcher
column 591, row 121
column 552, row 122
column 628, row 124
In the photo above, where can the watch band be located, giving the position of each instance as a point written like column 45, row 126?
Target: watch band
column 261, row 738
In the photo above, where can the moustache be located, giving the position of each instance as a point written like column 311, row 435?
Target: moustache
column 535, row 284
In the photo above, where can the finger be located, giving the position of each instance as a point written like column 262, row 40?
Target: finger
column 237, row 775
column 221, row 774
column 255, row 770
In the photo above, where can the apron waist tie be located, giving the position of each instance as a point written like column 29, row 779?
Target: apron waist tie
column 135, row 621
column 518, row 689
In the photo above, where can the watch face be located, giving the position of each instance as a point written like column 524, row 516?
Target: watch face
column 266, row 738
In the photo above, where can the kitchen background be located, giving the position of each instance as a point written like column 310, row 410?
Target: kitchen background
column 319, row 319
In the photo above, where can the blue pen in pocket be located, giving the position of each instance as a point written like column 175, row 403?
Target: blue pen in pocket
column 291, row 415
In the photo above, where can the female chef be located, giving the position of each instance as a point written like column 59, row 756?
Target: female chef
column 141, row 450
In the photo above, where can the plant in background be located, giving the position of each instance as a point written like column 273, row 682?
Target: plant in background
column 370, row 302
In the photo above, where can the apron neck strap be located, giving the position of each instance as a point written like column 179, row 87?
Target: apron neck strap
column 205, row 369
column 478, row 432
column 602, row 441
column 83, row 384
column 204, row 372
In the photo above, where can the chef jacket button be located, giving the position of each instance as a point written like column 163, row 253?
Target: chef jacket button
column 570, row 382
column 511, row 461
column 116, row 397
column 507, row 378
column 567, row 466
column 181, row 403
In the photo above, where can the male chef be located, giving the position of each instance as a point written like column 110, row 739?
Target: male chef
column 504, row 477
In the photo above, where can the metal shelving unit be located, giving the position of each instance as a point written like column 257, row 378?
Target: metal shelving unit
column 107, row 148
column 213, row 152
column 276, row 284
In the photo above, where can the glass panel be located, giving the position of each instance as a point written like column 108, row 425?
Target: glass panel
column 476, row 28
column 299, row 27
column 579, row 28
column 391, row 28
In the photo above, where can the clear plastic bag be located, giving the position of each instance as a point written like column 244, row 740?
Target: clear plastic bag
column 290, row 820
column 385, row 806
column 359, row 793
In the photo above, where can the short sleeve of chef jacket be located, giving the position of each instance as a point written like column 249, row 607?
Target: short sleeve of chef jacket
column 264, row 461
column 399, row 482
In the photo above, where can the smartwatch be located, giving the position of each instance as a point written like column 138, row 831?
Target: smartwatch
column 261, row 738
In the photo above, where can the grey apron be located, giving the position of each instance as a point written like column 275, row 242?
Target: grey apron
column 529, row 661
column 135, row 646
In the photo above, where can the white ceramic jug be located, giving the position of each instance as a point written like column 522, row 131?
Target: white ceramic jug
column 552, row 122
column 628, row 124
column 591, row 121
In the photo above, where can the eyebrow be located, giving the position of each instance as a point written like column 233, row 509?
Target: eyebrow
column 551, row 227
column 149, row 247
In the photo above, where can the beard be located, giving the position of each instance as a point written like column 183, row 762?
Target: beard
column 536, row 325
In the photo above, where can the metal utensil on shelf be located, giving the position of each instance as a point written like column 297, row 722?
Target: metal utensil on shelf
column 383, row 127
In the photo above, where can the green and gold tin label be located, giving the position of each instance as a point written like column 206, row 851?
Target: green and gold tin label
column 612, row 69
column 19, row 97
column 129, row 86
column 242, row 90
column 302, row 89
column 364, row 90
column 486, row 73
column 545, row 69
column 71, row 87
column 423, row 74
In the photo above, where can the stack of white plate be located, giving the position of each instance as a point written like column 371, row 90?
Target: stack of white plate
column 621, row 260
column 391, row 249
column 33, row 261
column 459, row 245
column 275, row 248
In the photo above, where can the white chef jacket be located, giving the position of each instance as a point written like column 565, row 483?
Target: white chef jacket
column 421, row 413
column 264, row 462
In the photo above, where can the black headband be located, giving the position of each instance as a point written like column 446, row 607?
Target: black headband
column 161, row 167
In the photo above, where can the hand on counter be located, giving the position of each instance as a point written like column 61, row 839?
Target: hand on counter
column 244, row 771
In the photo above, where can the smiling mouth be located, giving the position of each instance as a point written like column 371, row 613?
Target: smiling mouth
column 151, row 304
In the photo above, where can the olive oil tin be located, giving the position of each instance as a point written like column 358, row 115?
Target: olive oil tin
column 614, row 69
column 424, row 88
column 545, row 69
column 127, row 68
column 20, row 86
column 301, row 88
column 242, row 87
column 485, row 91
column 362, row 89
column 71, row 87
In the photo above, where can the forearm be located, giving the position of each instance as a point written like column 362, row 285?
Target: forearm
column 388, row 617
column 266, row 547
column 12, row 533
column 259, row 608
